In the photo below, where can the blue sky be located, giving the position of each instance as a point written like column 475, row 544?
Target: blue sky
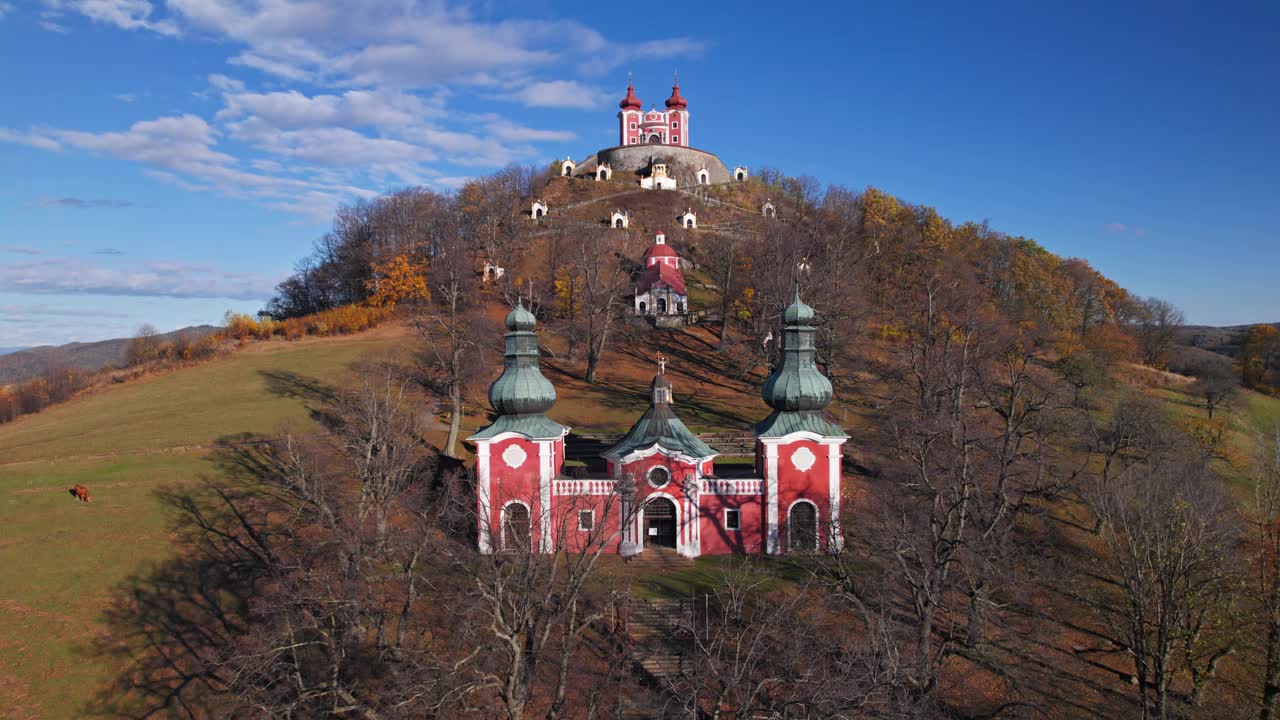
column 167, row 160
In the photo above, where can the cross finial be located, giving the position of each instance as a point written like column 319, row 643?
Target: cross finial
column 677, row 82
column 629, row 83
column 662, row 364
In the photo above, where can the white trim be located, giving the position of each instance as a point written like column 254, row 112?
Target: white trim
column 657, row 449
column 725, row 523
column 502, row 521
column 817, row 522
column 484, row 513
column 772, row 541
column 835, row 540
column 592, row 513
column 802, row 435
column 513, row 434
column 545, row 453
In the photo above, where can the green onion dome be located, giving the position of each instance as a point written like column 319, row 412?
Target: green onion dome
column 521, row 389
column 797, row 385
column 520, row 319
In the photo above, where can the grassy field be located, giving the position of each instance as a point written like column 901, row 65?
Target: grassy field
column 60, row 559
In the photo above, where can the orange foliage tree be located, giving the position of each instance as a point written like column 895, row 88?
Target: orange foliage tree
column 400, row 280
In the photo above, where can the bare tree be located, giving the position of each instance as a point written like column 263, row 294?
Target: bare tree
column 529, row 611
column 1264, row 554
column 603, row 284
column 1156, row 327
column 1169, row 592
column 1216, row 383
column 753, row 652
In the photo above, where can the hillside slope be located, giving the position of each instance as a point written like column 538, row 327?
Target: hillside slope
column 60, row 560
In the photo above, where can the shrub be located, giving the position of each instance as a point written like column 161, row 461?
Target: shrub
column 240, row 327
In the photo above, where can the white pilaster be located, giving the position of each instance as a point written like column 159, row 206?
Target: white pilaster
column 835, row 540
column 544, row 493
column 484, row 509
column 772, row 545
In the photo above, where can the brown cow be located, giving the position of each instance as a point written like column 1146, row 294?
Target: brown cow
column 80, row 492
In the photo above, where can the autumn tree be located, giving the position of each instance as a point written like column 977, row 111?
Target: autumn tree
column 1260, row 358
column 398, row 281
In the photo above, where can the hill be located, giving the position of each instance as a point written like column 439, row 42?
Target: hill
column 6, row 351
column 60, row 560
column 26, row 363
column 1221, row 340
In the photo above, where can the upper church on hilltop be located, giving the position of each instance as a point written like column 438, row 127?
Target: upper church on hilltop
column 654, row 127
column 653, row 150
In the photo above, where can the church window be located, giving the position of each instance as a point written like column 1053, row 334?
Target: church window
column 659, row 477
column 633, row 126
column 515, row 526
column 675, row 125
column 586, row 520
column 802, row 526
column 732, row 519
column 675, row 138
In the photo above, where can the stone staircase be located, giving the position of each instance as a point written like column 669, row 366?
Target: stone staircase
column 657, row 558
column 651, row 625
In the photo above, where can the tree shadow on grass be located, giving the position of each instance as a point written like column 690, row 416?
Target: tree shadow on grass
column 170, row 626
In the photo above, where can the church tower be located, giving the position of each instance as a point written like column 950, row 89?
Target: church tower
column 518, row 456
column 798, row 451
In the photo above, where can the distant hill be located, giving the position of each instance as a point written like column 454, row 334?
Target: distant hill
column 1221, row 340
column 24, row 364
column 7, row 350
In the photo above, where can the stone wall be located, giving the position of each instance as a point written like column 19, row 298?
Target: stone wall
column 630, row 161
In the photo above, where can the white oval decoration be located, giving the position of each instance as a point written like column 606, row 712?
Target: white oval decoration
column 803, row 459
column 514, row 456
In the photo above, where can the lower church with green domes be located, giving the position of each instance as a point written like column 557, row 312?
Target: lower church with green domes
column 661, row 489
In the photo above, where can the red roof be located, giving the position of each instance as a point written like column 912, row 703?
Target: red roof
column 661, row 272
column 630, row 102
column 659, row 250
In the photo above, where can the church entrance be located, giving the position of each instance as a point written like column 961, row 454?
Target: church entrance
column 662, row 306
column 655, row 139
column 660, row 523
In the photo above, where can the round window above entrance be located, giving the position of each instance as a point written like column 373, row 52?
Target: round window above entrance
column 659, row 477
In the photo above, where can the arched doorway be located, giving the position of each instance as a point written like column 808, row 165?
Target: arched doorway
column 644, row 307
column 537, row 213
column 660, row 522
column 802, row 527
column 662, row 306
column 655, row 139
column 688, row 223
column 515, row 527
column 617, row 223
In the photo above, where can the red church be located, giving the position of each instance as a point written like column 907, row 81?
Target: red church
column 662, row 487
column 655, row 127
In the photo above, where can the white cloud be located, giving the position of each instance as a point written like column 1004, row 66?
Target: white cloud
column 33, row 139
column 125, row 14
column 562, row 94
column 5, row 9
column 160, row 279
